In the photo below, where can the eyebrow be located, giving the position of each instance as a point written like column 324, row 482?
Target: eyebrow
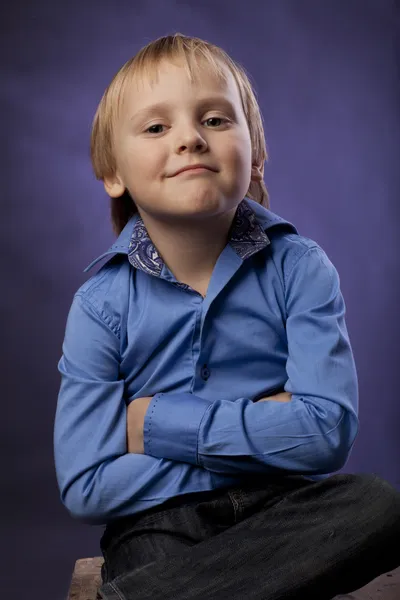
column 212, row 101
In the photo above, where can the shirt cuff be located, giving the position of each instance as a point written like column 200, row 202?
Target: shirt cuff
column 172, row 424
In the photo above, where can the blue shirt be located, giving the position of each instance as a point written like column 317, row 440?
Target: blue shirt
column 273, row 319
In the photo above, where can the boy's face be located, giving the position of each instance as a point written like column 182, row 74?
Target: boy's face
column 171, row 123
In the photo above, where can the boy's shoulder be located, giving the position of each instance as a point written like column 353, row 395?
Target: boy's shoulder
column 107, row 290
column 285, row 239
column 288, row 249
column 114, row 273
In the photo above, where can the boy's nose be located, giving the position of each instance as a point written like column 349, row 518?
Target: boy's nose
column 190, row 140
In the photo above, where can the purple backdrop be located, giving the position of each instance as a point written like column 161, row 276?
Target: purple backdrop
column 328, row 85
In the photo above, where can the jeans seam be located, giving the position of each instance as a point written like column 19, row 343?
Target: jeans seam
column 116, row 590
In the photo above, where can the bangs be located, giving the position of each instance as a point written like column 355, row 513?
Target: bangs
column 145, row 67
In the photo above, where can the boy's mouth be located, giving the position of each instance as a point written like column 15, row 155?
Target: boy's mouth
column 193, row 168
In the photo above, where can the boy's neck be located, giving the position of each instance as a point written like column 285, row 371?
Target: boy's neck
column 190, row 249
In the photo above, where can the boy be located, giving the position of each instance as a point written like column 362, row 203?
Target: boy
column 208, row 384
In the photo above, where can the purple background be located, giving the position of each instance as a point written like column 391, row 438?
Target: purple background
column 328, row 85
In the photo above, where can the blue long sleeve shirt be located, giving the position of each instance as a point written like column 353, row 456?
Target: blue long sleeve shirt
column 273, row 319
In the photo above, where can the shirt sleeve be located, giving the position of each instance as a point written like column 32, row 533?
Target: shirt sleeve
column 314, row 433
column 98, row 479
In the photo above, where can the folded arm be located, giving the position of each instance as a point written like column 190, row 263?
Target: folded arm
column 137, row 411
column 98, row 479
column 314, row 433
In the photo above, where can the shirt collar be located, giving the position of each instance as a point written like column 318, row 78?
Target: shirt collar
column 247, row 236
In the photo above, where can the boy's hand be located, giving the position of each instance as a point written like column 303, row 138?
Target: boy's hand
column 136, row 412
column 282, row 397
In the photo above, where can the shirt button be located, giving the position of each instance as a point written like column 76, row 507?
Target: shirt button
column 205, row 372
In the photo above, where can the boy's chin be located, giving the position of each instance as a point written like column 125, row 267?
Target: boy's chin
column 199, row 208
column 194, row 216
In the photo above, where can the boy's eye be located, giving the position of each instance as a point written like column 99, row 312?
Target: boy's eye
column 152, row 127
column 220, row 120
column 216, row 119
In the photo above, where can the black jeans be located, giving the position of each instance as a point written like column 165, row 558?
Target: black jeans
column 291, row 538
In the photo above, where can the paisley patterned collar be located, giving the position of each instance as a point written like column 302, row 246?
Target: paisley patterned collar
column 246, row 238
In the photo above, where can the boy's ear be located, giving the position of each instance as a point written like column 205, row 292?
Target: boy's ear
column 257, row 172
column 114, row 186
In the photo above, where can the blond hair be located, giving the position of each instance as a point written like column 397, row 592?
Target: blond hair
column 145, row 62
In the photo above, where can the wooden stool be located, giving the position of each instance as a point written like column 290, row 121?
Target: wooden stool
column 86, row 579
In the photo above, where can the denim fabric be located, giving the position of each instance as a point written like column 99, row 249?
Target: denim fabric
column 289, row 539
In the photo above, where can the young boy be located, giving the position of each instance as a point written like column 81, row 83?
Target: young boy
column 208, row 384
